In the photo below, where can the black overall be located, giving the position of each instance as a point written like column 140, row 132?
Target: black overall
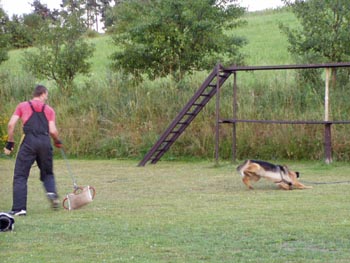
column 36, row 146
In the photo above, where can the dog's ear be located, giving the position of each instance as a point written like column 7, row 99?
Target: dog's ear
column 298, row 174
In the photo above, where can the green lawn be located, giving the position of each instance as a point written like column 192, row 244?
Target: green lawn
column 181, row 212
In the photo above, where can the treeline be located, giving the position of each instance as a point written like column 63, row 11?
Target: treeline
column 21, row 30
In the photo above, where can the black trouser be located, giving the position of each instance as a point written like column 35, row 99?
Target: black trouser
column 33, row 148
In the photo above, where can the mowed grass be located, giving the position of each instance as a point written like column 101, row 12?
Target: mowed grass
column 181, row 212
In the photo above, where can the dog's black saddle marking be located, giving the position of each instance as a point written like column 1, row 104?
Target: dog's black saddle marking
column 275, row 168
column 270, row 166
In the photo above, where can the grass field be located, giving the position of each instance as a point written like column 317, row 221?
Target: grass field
column 181, row 212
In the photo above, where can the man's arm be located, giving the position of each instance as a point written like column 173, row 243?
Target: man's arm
column 11, row 128
column 10, row 132
column 53, row 130
column 54, row 134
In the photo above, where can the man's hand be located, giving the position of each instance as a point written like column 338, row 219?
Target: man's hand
column 58, row 143
column 9, row 147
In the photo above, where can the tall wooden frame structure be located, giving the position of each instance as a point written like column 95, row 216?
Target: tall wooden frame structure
column 211, row 86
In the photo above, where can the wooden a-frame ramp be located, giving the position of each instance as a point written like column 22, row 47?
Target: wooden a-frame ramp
column 203, row 95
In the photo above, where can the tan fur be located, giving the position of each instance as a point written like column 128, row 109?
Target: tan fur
column 286, row 179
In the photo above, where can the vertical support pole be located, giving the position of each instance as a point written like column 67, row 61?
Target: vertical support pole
column 217, row 135
column 328, row 143
column 327, row 131
column 326, row 96
column 234, row 106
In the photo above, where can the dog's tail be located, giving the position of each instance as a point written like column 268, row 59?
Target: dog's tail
column 241, row 167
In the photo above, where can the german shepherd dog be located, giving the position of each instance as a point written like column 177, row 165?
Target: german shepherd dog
column 253, row 170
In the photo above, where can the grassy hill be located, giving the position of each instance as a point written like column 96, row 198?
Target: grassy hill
column 266, row 44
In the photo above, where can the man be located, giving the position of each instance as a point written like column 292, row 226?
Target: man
column 38, row 121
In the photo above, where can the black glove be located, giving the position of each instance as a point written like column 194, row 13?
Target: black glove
column 9, row 146
column 58, row 143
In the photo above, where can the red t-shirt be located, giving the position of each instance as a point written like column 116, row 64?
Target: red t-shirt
column 24, row 111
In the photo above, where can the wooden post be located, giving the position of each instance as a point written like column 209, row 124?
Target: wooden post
column 234, row 135
column 327, row 131
column 326, row 96
column 328, row 143
column 217, row 131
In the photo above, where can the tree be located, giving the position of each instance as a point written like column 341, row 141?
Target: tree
column 90, row 9
column 61, row 53
column 92, row 13
column 4, row 39
column 22, row 30
column 162, row 37
column 324, row 34
column 41, row 10
column 105, row 7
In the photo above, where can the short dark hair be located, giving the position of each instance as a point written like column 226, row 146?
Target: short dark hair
column 39, row 89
